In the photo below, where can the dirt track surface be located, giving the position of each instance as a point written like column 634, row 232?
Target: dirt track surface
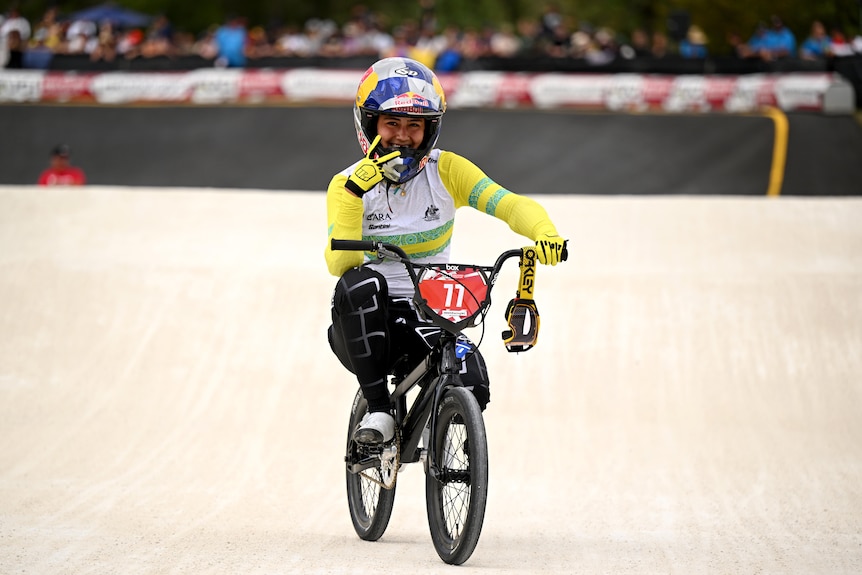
column 168, row 403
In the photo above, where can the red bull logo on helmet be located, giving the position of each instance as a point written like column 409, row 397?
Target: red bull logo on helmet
column 410, row 102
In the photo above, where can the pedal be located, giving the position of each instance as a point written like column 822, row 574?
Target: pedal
column 389, row 465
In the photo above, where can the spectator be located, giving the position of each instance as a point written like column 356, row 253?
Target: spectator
column 756, row 44
column 230, row 40
column 428, row 19
column 557, row 42
column 129, row 43
column 377, row 39
column 14, row 50
column 693, row 46
column 528, row 33
column 206, row 46
column 817, row 46
column 159, row 38
column 546, row 35
column 582, row 45
column 106, row 47
column 316, row 34
column 81, row 37
column 60, row 172
column 550, row 21
column 781, row 39
column 56, row 40
column 638, row 47
column 605, row 48
column 472, row 45
column 292, row 42
column 429, row 43
column 401, row 46
column 16, row 22
column 424, row 49
column 183, row 43
column 449, row 56
column 504, row 43
column 44, row 33
column 659, row 48
column 839, row 45
column 333, row 45
column 14, row 35
column 353, row 42
column 738, row 48
column 81, row 28
column 259, row 45
column 772, row 42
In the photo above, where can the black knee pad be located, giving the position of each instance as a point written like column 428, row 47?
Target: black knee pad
column 359, row 288
column 359, row 334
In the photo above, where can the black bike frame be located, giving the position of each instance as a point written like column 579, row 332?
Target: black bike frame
column 438, row 371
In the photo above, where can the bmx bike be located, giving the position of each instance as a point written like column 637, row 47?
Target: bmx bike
column 441, row 425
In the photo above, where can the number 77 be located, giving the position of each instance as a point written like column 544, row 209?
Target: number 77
column 450, row 292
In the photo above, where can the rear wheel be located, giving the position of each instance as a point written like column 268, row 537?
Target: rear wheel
column 456, row 494
column 370, row 503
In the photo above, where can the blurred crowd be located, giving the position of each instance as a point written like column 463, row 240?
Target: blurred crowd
column 234, row 42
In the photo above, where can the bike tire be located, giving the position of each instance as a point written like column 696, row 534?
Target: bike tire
column 370, row 503
column 457, row 496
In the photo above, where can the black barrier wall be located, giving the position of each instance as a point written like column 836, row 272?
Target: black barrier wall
column 528, row 151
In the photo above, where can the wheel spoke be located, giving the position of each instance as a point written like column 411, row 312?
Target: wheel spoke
column 370, row 492
column 370, row 504
column 457, row 491
column 456, row 478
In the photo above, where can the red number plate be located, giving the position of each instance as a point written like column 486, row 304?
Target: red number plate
column 454, row 294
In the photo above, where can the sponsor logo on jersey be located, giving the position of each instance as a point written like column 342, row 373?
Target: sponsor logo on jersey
column 432, row 213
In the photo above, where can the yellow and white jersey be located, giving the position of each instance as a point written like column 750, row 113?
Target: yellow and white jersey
column 419, row 215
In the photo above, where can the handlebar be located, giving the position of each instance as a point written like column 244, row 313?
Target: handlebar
column 521, row 313
column 357, row 245
column 391, row 251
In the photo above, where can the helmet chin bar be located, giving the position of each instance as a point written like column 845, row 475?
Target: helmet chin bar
column 410, row 163
column 397, row 170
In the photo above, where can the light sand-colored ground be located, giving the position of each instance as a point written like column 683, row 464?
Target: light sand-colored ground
column 168, row 403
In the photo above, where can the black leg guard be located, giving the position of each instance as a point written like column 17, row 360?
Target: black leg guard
column 359, row 335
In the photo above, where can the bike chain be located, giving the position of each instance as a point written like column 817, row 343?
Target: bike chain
column 396, row 465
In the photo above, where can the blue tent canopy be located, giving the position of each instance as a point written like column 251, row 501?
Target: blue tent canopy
column 116, row 15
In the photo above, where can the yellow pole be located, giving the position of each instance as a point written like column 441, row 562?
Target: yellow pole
column 779, row 150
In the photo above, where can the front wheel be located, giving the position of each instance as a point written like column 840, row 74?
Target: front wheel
column 457, row 492
column 369, row 501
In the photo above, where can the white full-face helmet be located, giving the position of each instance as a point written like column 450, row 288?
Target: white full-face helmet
column 401, row 87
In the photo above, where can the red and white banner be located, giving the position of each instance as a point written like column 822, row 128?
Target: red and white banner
column 616, row 92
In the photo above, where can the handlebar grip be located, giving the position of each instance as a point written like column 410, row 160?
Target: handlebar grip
column 353, row 245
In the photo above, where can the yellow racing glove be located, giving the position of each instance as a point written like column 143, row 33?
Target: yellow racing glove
column 551, row 250
column 367, row 173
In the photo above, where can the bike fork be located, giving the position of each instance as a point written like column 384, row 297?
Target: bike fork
column 449, row 367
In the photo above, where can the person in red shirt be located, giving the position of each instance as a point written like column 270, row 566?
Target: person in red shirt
column 61, row 172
